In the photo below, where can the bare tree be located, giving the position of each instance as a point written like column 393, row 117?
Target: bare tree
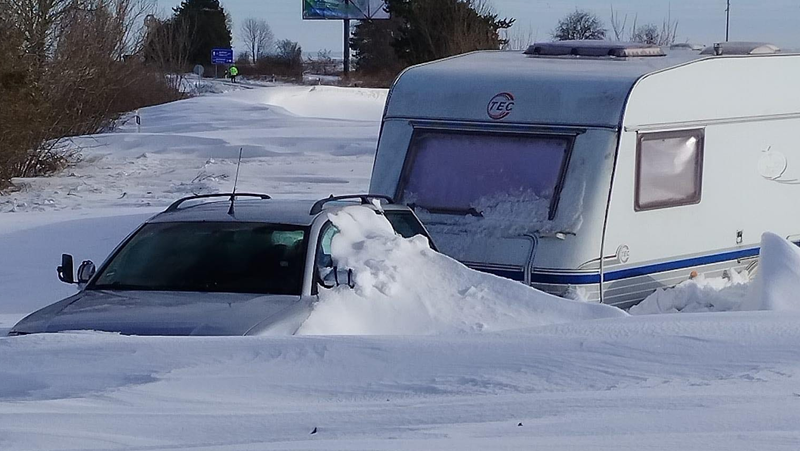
column 619, row 25
column 169, row 44
column 37, row 20
column 67, row 70
column 516, row 39
column 257, row 35
column 646, row 34
column 649, row 33
column 579, row 25
column 322, row 64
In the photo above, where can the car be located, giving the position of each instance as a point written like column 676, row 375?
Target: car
column 214, row 264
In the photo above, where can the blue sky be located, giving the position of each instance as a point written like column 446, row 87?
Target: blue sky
column 700, row 21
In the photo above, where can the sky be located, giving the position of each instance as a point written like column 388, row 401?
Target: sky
column 700, row 21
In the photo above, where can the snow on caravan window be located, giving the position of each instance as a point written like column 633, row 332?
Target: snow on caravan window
column 669, row 169
column 457, row 172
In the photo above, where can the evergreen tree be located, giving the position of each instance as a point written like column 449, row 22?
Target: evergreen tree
column 208, row 24
column 433, row 29
column 373, row 46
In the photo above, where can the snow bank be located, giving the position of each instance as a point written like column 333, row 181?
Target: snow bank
column 328, row 102
column 701, row 294
column 777, row 283
column 776, row 286
column 404, row 287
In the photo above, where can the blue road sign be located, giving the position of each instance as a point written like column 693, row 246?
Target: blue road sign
column 222, row 56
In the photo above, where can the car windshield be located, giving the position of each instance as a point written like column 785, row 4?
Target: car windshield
column 230, row 257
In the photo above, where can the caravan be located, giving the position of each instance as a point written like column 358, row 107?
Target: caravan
column 598, row 170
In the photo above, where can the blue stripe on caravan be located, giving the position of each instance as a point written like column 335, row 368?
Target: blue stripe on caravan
column 585, row 279
column 679, row 264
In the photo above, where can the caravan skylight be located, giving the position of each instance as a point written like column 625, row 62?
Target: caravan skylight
column 594, row 49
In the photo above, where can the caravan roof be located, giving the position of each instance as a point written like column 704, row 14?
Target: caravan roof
column 579, row 90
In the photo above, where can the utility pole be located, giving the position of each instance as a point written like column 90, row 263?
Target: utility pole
column 346, row 47
column 346, row 40
column 728, row 22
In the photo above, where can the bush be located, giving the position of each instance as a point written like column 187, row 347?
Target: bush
column 286, row 63
column 78, row 85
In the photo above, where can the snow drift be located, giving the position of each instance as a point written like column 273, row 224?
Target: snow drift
column 327, row 102
column 776, row 286
column 701, row 294
column 404, row 287
column 777, row 283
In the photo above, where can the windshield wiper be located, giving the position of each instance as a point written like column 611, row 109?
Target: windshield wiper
column 114, row 286
column 471, row 211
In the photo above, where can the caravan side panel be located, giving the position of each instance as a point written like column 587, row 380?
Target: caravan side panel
column 746, row 112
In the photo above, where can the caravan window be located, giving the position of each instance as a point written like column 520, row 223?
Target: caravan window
column 669, row 169
column 453, row 171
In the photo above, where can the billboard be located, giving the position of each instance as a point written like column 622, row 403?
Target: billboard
column 344, row 9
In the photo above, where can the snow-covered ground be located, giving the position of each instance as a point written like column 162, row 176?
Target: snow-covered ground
column 724, row 381
column 500, row 366
column 296, row 141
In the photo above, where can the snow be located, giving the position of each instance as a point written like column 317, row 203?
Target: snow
column 700, row 294
column 774, row 287
column 297, row 141
column 402, row 287
column 777, row 283
column 712, row 381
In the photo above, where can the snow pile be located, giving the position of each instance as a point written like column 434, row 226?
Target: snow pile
column 507, row 215
column 775, row 287
column 700, row 294
column 404, row 287
column 777, row 283
column 328, row 102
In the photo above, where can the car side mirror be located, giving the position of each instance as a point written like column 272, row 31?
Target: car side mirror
column 86, row 271
column 66, row 272
column 343, row 277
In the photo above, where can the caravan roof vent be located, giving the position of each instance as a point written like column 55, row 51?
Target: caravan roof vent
column 741, row 48
column 594, row 49
column 687, row 46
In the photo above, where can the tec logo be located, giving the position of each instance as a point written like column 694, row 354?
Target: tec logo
column 500, row 106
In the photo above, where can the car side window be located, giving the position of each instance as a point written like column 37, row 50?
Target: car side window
column 323, row 265
column 324, row 258
column 404, row 223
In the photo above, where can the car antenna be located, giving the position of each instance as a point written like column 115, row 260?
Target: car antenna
column 235, row 182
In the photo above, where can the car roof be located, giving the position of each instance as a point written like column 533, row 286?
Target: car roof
column 273, row 211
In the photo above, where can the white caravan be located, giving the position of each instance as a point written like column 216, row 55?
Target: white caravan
column 598, row 170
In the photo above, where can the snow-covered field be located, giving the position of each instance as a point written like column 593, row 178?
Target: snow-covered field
column 691, row 382
column 475, row 362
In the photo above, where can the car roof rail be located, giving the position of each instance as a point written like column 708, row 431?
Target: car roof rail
column 364, row 198
column 177, row 203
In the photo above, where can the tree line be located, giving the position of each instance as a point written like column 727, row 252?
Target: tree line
column 425, row 30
